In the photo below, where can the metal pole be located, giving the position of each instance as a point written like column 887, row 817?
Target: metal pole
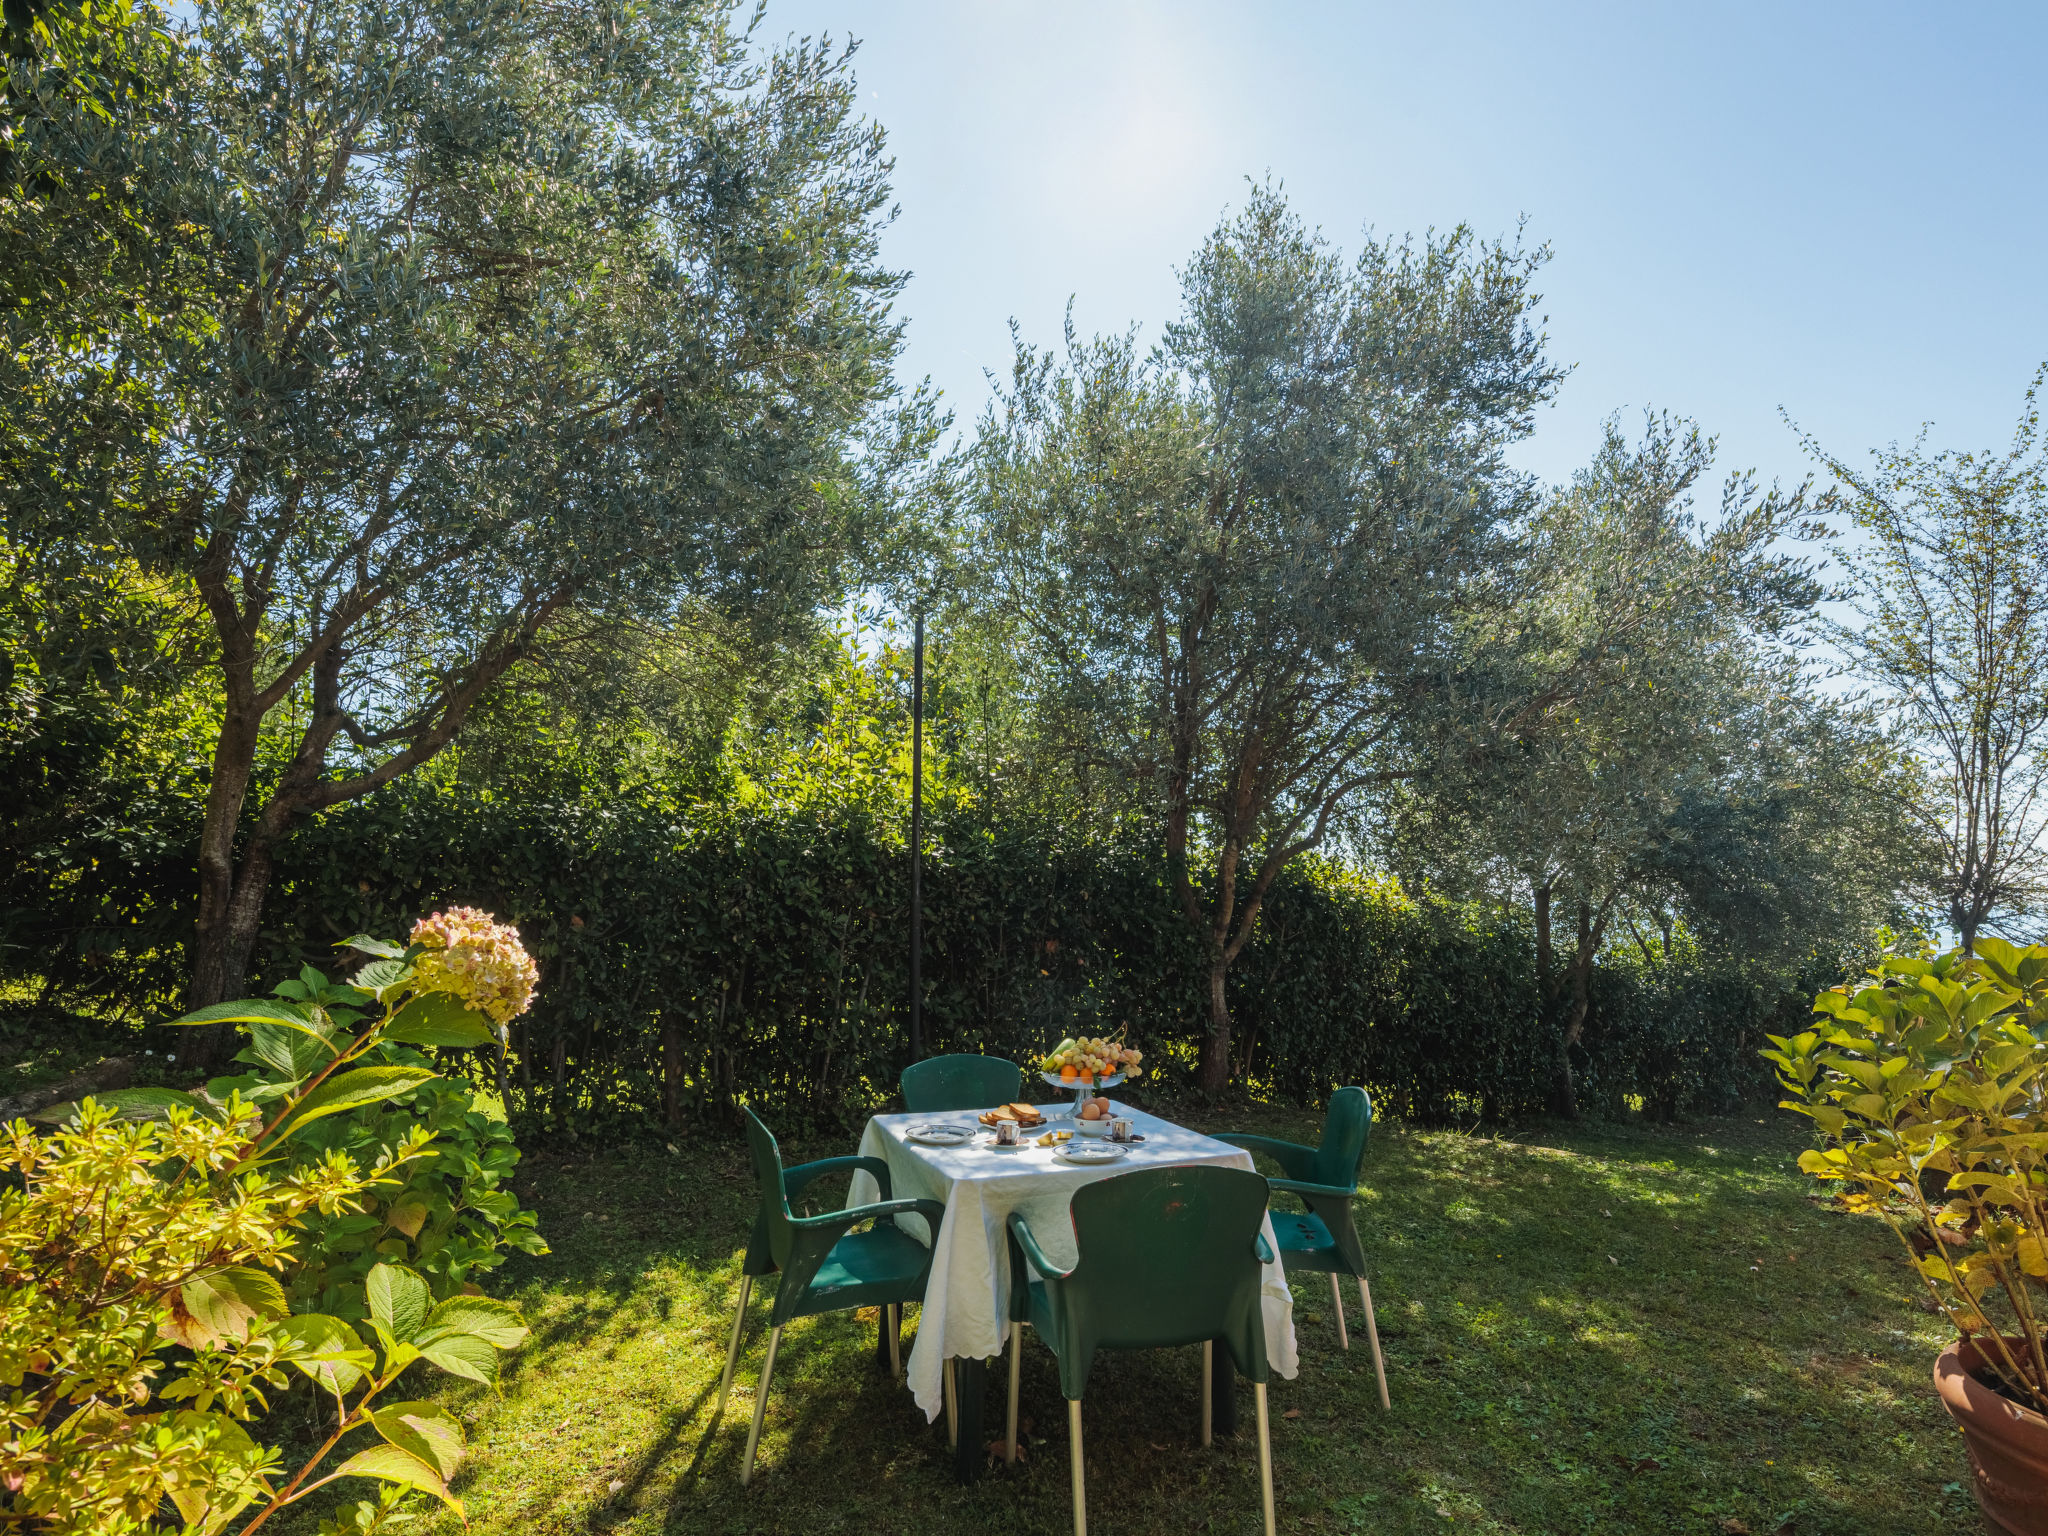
column 917, row 844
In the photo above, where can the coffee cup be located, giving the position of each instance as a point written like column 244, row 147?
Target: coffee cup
column 1006, row 1133
column 1121, row 1130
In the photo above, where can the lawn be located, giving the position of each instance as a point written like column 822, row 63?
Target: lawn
column 1587, row 1329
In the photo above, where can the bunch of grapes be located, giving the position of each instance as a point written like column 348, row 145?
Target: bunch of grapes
column 1085, row 1060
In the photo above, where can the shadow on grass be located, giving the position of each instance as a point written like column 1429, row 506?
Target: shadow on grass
column 1586, row 1331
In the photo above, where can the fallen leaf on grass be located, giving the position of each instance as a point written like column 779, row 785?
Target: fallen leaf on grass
column 999, row 1450
column 1292, row 1413
column 1734, row 1527
column 1646, row 1464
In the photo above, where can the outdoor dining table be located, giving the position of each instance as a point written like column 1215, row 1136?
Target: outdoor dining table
column 964, row 1317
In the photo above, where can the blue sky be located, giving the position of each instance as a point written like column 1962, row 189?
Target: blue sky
column 1834, row 209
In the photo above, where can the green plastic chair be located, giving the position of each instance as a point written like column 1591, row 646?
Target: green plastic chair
column 940, row 1083
column 825, row 1267
column 1166, row 1256
column 1326, row 1178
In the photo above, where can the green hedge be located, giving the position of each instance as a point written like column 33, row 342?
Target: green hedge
column 694, row 957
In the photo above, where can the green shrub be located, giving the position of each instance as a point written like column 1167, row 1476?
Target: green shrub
column 696, row 955
column 156, row 1218
column 450, row 1220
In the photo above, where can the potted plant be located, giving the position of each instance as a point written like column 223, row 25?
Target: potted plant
column 1929, row 1086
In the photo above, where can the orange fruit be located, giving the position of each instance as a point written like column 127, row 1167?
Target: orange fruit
column 1086, row 1077
column 1067, row 1073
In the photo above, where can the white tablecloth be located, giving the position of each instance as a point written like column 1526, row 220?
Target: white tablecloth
column 966, row 1300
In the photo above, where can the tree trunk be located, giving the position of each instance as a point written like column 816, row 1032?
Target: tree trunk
column 226, row 953
column 112, row 1072
column 671, row 1071
column 230, row 894
column 1214, row 1071
column 1564, row 1093
column 218, row 961
column 1564, row 1097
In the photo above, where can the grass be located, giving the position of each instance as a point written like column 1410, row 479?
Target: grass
column 1587, row 1330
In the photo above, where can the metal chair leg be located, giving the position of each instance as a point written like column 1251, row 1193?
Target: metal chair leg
column 1337, row 1301
column 1016, row 1371
column 1222, row 1390
column 1074, row 1465
column 1379, row 1362
column 895, row 1311
column 760, row 1405
column 732, row 1350
column 1208, row 1388
column 1265, row 1456
column 950, row 1390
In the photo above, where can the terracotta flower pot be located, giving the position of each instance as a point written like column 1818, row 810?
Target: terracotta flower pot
column 2008, row 1444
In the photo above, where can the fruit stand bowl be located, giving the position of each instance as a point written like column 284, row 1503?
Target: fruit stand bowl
column 1083, row 1092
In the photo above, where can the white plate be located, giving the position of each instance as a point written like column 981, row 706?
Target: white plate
column 1091, row 1154
column 940, row 1135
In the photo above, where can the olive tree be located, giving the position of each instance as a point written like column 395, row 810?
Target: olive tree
column 1945, row 576
column 1652, row 754
column 468, row 321
column 1238, row 557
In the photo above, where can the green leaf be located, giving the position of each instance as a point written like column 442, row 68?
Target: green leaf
column 292, row 1054
column 222, row 1305
column 226, row 1442
column 253, row 1010
column 128, row 1103
column 380, row 976
column 424, row 1430
column 434, row 1018
column 326, row 1349
column 463, row 1354
column 398, row 1301
column 352, row 1090
column 408, row 1214
column 1999, row 953
column 253, row 1089
column 383, row 948
column 394, row 1465
column 478, row 1317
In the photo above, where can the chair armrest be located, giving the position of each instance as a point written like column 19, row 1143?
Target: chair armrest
column 1263, row 1248
column 1035, row 1255
column 794, row 1179
column 932, row 1212
column 1296, row 1159
column 1299, row 1187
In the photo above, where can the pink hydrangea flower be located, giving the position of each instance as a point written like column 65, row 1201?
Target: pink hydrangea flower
column 472, row 956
